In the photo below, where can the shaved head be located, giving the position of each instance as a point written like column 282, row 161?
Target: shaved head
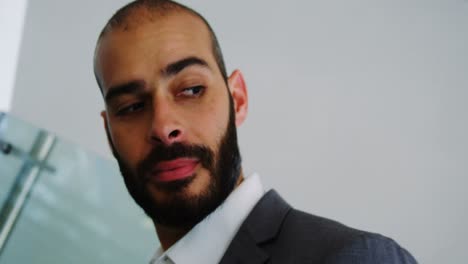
column 140, row 11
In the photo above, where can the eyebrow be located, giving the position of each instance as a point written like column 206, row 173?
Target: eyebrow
column 136, row 87
column 176, row 67
column 133, row 87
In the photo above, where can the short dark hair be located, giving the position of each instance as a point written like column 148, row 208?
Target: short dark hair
column 121, row 19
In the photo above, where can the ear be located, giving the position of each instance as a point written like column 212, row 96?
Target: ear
column 238, row 91
column 104, row 119
column 106, row 127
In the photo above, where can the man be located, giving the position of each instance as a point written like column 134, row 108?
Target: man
column 171, row 117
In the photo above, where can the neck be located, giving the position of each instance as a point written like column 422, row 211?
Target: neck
column 168, row 236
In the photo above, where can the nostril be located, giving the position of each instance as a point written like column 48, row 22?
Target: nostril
column 174, row 134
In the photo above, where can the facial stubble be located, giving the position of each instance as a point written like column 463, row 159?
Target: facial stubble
column 179, row 209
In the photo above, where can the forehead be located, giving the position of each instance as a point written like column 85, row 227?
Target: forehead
column 124, row 53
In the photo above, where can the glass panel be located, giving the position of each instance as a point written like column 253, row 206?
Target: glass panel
column 9, row 167
column 7, row 174
column 80, row 212
column 20, row 135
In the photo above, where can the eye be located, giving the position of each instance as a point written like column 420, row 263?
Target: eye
column 129, row 109
column 194, row 91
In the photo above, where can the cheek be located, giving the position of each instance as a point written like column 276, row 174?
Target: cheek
column 210, row 124
column 129, row 144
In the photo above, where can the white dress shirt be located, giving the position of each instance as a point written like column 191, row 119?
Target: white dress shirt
column 209, row 239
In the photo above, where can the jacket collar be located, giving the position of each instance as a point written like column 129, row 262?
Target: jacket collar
column 262, row 225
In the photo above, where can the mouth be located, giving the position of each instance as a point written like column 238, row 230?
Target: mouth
column 173, row 170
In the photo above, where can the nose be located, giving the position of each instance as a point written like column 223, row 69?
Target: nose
column 165, row 124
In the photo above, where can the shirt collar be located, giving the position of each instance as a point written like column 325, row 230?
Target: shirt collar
column 209, row 239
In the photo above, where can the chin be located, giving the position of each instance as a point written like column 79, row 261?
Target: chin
column 199, row 185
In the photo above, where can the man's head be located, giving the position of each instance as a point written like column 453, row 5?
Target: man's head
column 171, row 111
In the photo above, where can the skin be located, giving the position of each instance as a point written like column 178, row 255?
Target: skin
column 166, row 109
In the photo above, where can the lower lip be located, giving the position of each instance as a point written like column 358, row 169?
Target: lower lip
column 178, row 173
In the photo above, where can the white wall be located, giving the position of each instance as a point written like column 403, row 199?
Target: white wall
column 357, row 108
column 11, row 29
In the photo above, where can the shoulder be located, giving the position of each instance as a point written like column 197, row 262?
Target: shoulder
column 288, row 235
column 318, row 239
column 371, row 248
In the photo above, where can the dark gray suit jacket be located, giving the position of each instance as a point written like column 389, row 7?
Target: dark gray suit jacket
column 274, row 232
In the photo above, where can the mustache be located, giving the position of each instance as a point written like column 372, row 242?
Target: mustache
column 176, row 150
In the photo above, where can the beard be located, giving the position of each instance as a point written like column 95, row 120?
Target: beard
column 180, row 210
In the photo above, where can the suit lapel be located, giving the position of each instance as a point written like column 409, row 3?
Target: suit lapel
column 244, row 249
column 262, row 225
